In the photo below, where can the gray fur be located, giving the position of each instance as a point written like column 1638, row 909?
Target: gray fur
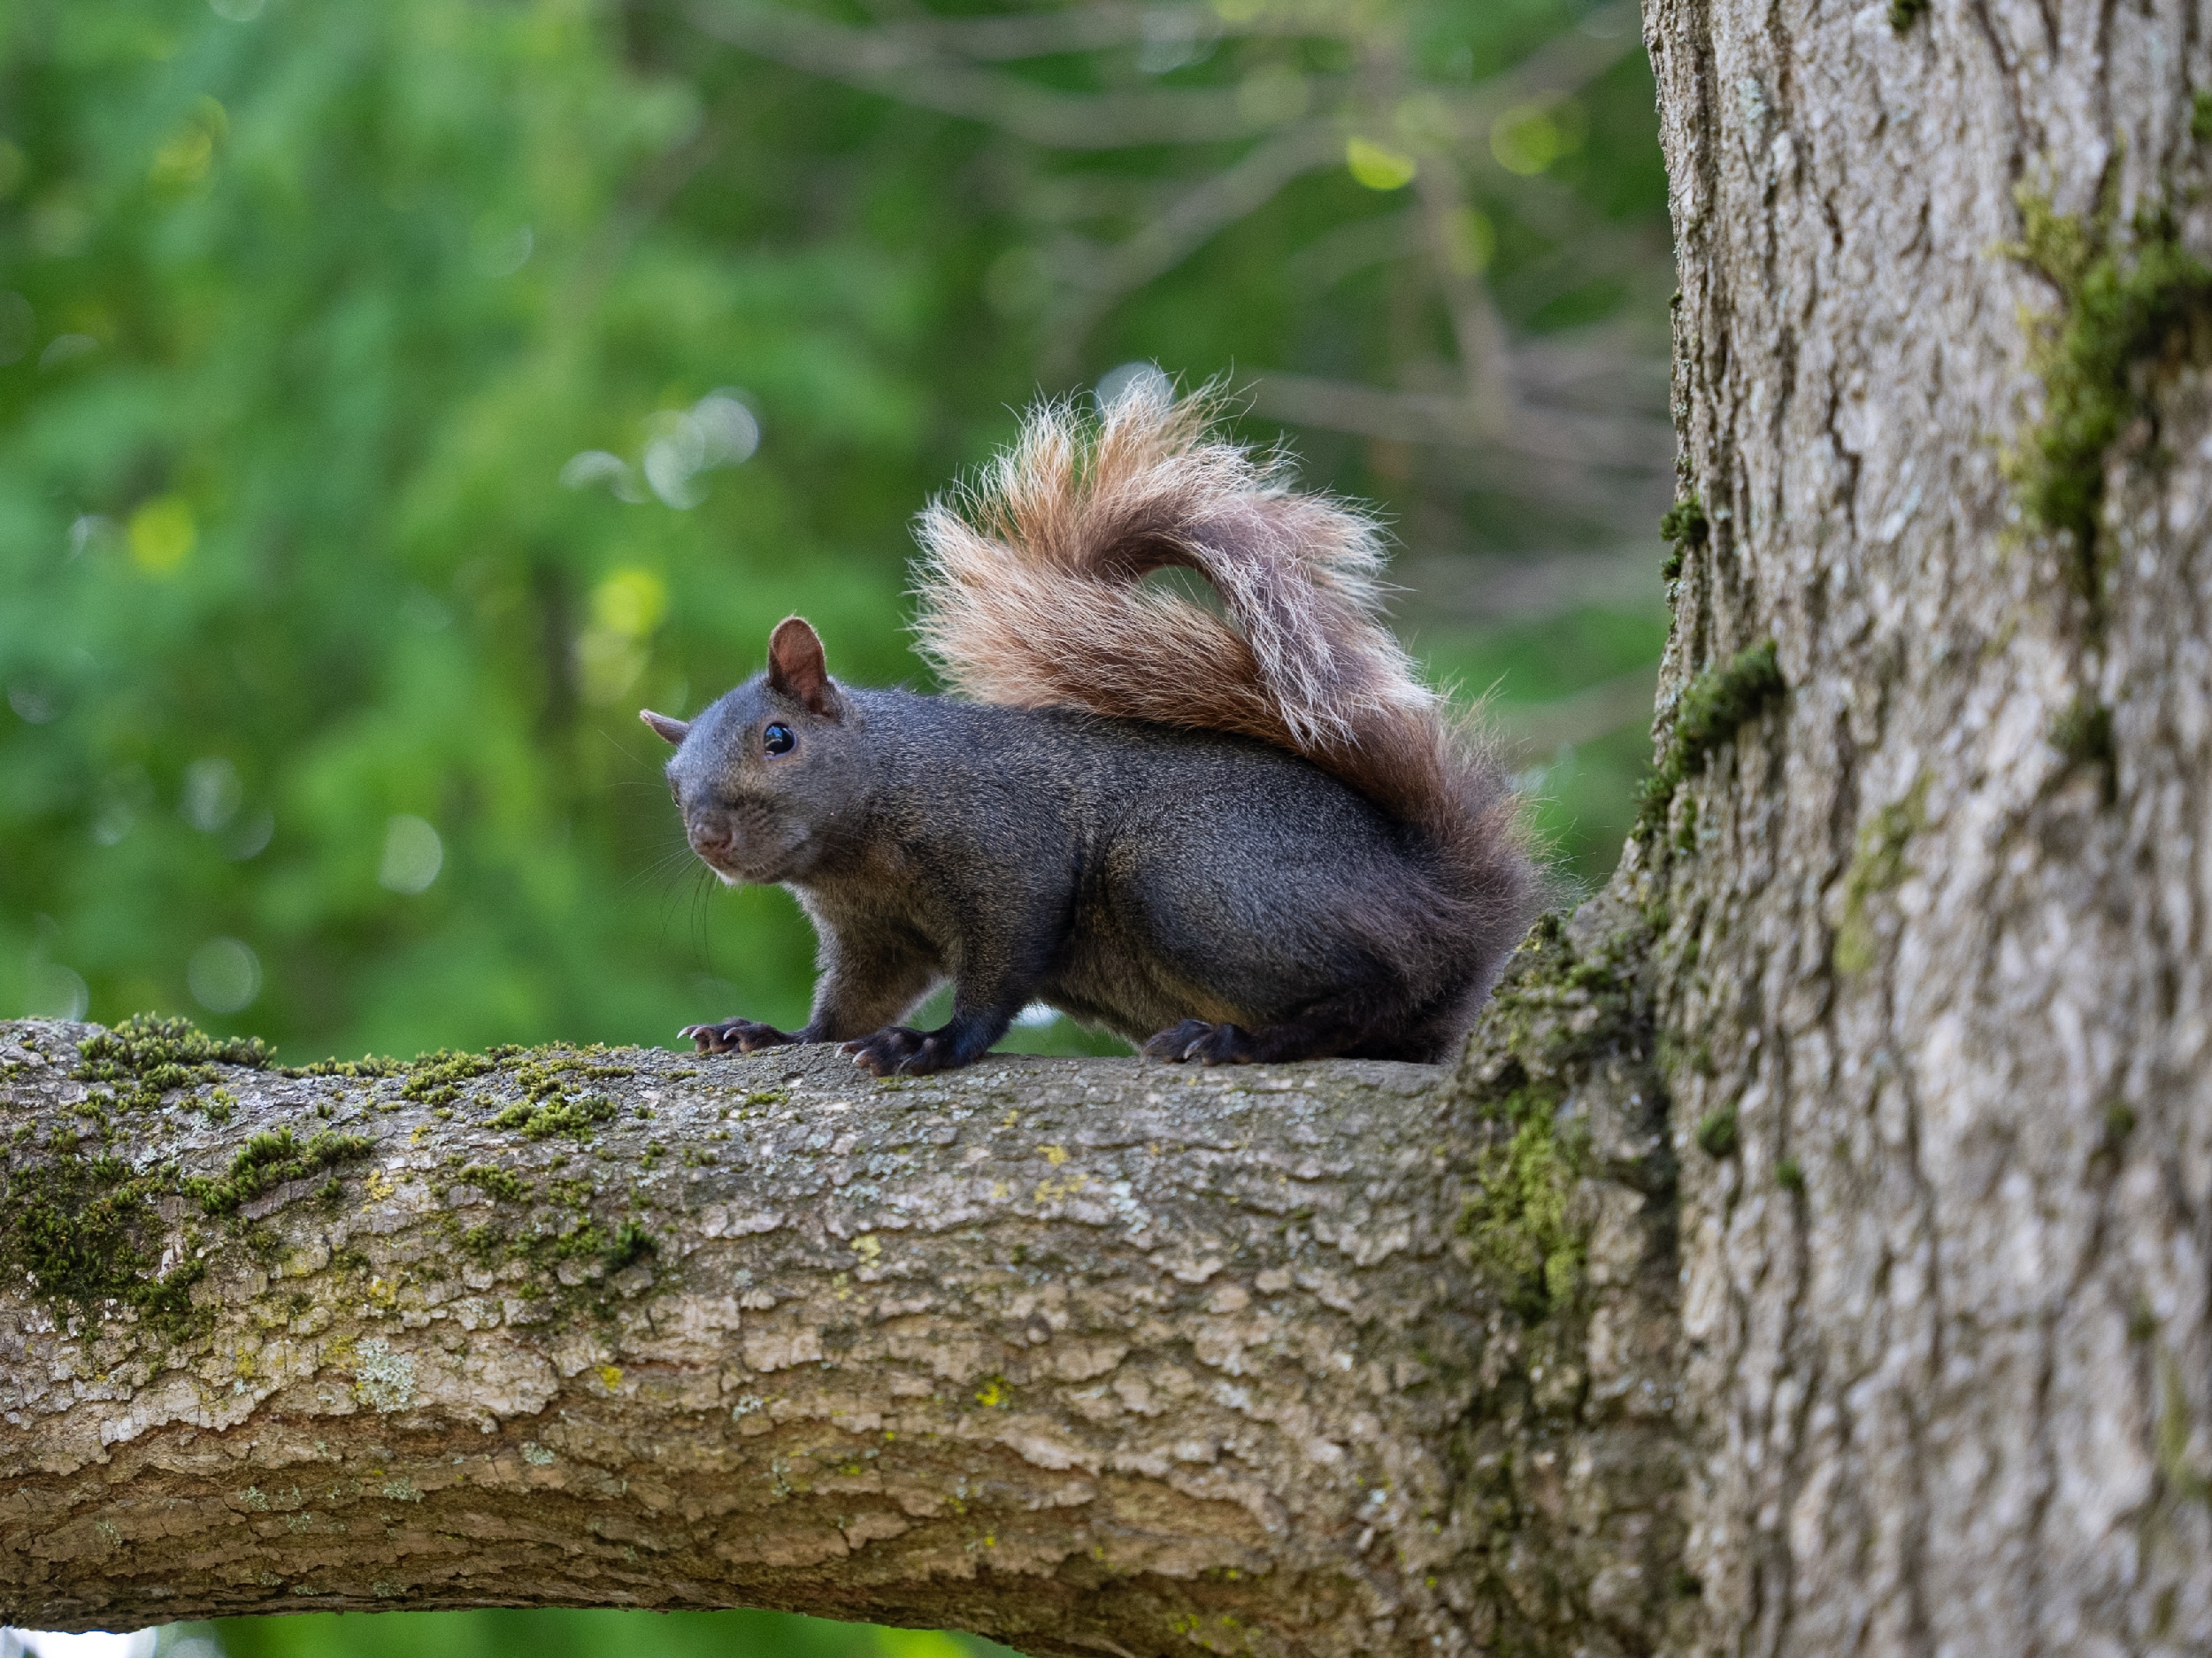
column 1223, row 897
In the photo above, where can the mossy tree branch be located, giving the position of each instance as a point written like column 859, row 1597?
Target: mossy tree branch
column 1094, row 1356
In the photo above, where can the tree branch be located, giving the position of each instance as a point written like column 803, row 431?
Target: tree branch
column 1100, row 26
column 1100, row 278
column 901, row 63
column 931, row 65
column 1094, row 1356
column 1566, row 437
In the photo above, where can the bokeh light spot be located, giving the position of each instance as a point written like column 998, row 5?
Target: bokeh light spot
column 729, row 430
column 1146, row 379
column 630, row 601
column 65, row 349
column 413, row 854
column 211, row 794
column 163, row 534
column 589, row 466
column 249, row 836
column 499, row 251
column 183, row 160
column 55, row 992
column 1378, row 166
column 33, row 702
column 90, row 1644
column 1528, row 138
column 224, row 975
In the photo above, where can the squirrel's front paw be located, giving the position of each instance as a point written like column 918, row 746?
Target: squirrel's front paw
column 1195, row 1038
column 896, row 1050
column 736, row 1036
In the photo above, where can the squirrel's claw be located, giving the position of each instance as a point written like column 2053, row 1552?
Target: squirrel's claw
column 736, row 1036
column 1208, row 1043
column 893, row 1049
column 1174, row 1043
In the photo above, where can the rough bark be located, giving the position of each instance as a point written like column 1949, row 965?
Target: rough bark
column 1934, row 921
column 1092, row 1356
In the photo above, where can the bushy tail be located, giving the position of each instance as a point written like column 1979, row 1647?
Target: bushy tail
column 1032, row 594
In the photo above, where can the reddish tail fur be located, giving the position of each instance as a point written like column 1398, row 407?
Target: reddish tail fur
column 1032, row 594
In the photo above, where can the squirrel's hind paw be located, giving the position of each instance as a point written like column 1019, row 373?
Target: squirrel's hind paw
column 1196, row 1039
column 736, row 1036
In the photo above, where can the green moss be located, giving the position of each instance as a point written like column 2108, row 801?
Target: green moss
column 2122, row 300
column 2200, row 116
column 1712, row 709
column 493, row 1181
column 1878, row 865
column 2183, row 1479
column 368, row 1067
column 1717, row 1134
column 1684, row 527
column 1789, row 1174
column 1519, row 1221
column 269, row 1160
column 2142, row 1319
column 1904, row 13
column 436, row 1079
column 630, row 1244
column 87, row 1232
column 540, row 1120
column 561, row 1234
column 1598, row 975
column 2082, row 730
column 1555, row 1010
column 1685, row 831
column 548, row 1106
column 144, row 1057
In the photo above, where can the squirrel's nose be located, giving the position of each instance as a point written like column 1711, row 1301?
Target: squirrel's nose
column 713, row 834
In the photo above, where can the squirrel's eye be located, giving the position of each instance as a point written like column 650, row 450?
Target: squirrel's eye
column 779, row 740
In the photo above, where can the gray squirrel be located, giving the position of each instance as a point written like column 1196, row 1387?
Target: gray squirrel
column 1243, row 835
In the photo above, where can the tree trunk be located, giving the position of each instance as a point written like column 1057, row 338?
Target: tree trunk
column 1932, row 925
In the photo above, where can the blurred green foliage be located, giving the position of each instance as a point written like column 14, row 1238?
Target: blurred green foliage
column 379, row 388
column 322, row 684
column 580, row 1635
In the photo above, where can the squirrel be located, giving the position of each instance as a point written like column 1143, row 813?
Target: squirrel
column 1245, row 835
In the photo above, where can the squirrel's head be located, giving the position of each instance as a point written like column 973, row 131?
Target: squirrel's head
column 767, row 776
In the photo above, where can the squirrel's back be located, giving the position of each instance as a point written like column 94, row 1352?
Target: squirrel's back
column 1034, row 594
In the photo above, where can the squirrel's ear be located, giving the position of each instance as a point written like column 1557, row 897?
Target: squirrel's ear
column 671, row 730
column 796, row 667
